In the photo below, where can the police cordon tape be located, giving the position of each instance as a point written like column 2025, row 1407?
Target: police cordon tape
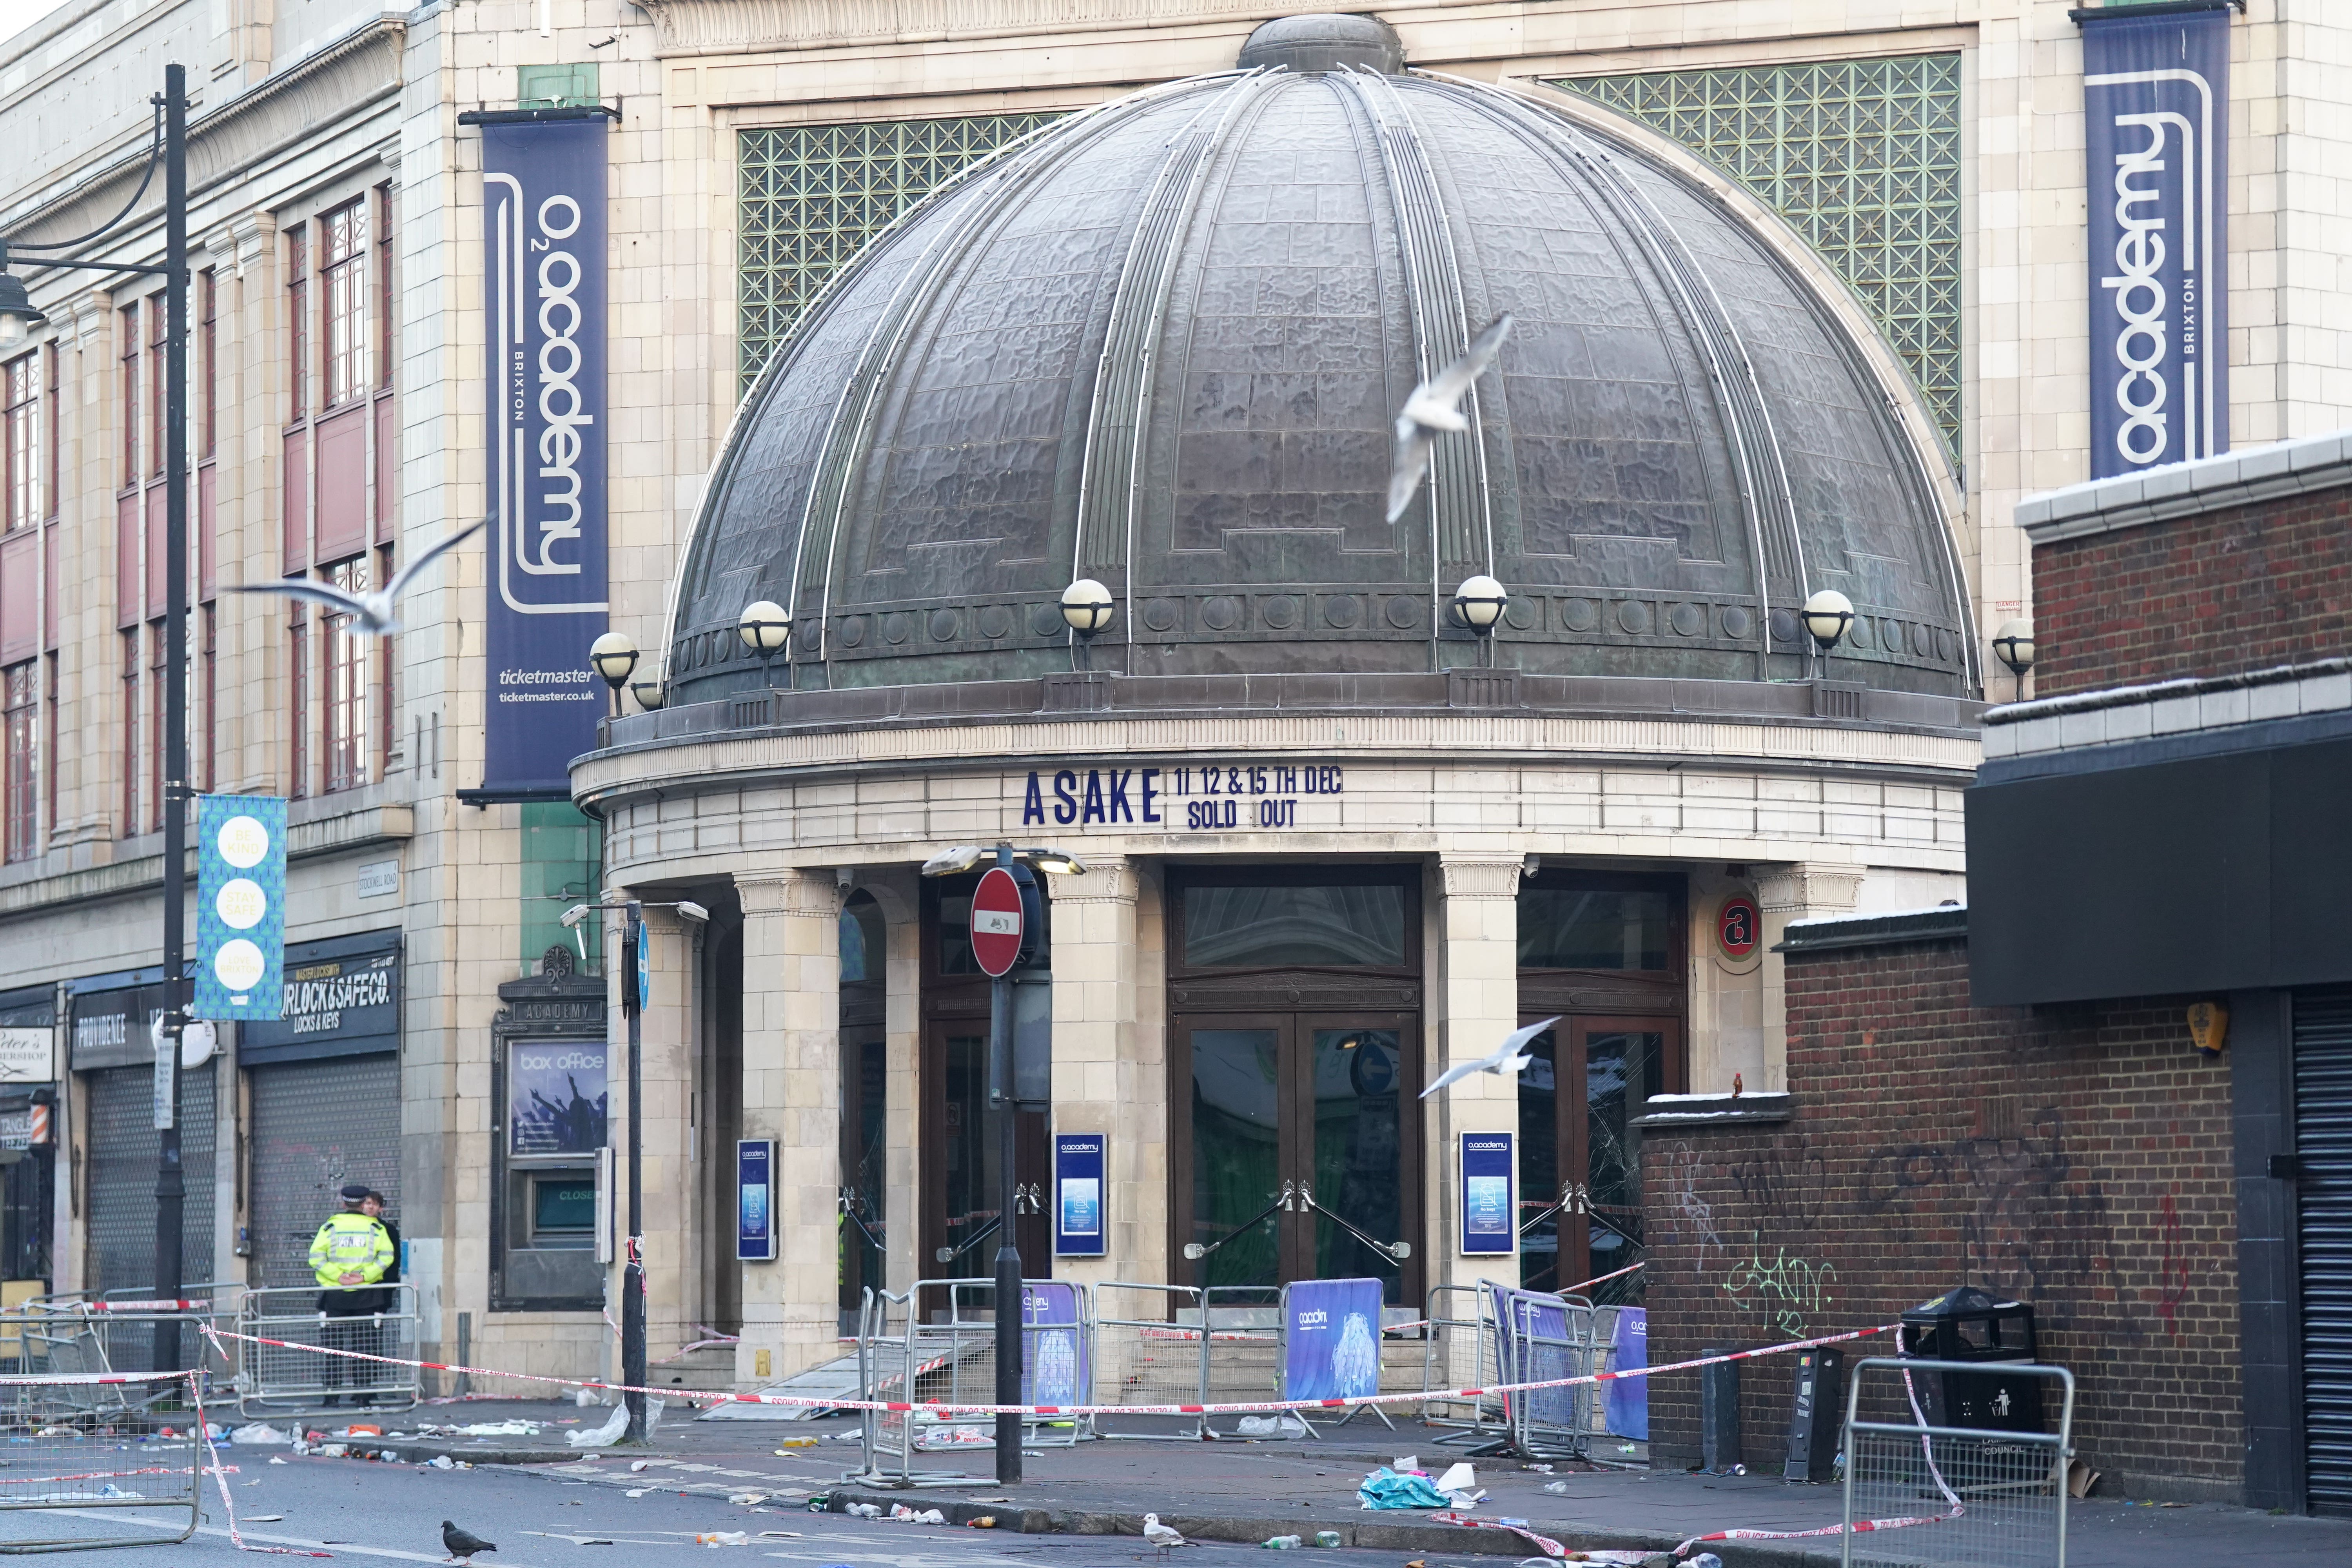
column 1247, row 1407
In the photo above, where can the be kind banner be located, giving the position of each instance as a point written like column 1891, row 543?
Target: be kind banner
column 2156, row 94
column 544, row 251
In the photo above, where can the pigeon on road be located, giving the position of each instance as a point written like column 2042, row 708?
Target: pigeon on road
column 1507, row 1058
column 462, row 1544
column 1432, row 408
column 1159, row 1535
column 370, row 614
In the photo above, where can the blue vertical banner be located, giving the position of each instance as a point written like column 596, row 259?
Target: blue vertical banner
column 755, row 1200
column 543, row 301
column 1489, row 1211
column 1077, row 1194
column 1628, row 1399
column 240, row 906
column 2156, row 101
column 1330, row 1339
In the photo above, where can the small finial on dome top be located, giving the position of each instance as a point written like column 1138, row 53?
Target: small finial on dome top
column 1327, row 42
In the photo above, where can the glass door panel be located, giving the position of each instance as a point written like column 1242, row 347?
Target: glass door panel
column 1541, row 1160
column 1236, row 1152
column 1356, row 1077
column 1580, row 1155
column 969, row 1164
column 1622, row 1068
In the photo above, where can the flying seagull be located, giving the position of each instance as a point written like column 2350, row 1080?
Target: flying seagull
column 1507, row 1058
column 370, row 614
column 1159, row 1535
column 462, row 1545
column 1432, row 407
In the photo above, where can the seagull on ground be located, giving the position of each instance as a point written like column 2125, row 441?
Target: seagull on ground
column 1159, row 1535
column 462, row 1544
column 1508, row 1058
column 370, row 614
column 1435, row 406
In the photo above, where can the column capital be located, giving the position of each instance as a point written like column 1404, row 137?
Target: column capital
column 1481, row 876
column 1108, row 880
column 1808, row 890
column 249, row 234
column 793, row 890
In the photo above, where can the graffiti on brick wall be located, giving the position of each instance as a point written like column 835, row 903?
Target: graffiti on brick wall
column 1693, row 1214
column 1792, row 1184
column 1785, row 1291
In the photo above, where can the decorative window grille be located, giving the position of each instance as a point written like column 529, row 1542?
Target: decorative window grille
column 810, row 196
column 347, row 684
column 1861, row 158
column 342, row 273
column 20, row 736
column 20, row 444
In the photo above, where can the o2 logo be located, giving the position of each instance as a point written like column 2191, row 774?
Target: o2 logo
column 1737, row 926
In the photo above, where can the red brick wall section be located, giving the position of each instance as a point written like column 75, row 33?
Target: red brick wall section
column 2231, row 591
column 2079, row 1160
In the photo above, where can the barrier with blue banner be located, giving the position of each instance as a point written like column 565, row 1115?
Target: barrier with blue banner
column 1331, row 1340
column 1627, row 1400
column 1054, row 1349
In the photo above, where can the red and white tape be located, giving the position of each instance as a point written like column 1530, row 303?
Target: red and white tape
column 1247, row 1407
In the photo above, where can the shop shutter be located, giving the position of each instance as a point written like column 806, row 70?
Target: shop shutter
column 122, row 1141
column 316, row 1126
column 2322, row 1143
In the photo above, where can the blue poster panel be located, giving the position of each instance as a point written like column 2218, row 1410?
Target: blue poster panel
column 240, row 906
column 1628, row 1400
column 1053, row 1355
column 543, row 240
column 557, row 1097
column 755, row 1199
column 1488, row 1207
column 1077, row 1194
column 1331, row 1339
column 2156, row 101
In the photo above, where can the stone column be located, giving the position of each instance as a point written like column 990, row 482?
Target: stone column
column 674, row 1224
column 1477, row 1004
column 1783, row 893
column 1100, row 1085
column 791, row 1092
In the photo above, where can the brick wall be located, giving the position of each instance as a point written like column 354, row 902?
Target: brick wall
column 2214, row 594
column 2079, row 1160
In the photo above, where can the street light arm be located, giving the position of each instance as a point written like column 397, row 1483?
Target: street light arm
column 154, row 160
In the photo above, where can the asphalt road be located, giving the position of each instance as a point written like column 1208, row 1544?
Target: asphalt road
column 365, row 1512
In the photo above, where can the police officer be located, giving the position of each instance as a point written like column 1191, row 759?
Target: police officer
column 348, row 1258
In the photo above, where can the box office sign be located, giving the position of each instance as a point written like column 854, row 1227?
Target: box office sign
column 543, row 248
column 2157, row 110
column 1204, row 795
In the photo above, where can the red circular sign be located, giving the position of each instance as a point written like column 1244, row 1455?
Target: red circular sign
column 1737, row 926
column 996, row 921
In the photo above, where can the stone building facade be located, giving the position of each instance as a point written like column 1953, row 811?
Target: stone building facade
column 338, row 204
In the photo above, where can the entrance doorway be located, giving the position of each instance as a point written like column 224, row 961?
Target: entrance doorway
column 1605, row 953
column 1294, row 1055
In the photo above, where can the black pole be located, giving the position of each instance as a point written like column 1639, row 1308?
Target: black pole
column 1008, row 1250
column 170, row 1187
column 632, row 1274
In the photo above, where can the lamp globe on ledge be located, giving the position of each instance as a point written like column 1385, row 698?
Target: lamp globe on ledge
column 650, row 694
column 614, row 656
column 765, row 627
column 2013, row 646
column 1087, row 610
column 1478, row 603
column 1827, row 615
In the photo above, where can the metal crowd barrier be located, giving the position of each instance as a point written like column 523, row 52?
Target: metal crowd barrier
column 1980, row 1498
column 1545, row 1337
column 1149, row 1349
column 953, row 1361
column 1461, row 1353
column 75, row 1335
column 1241, row 1357
column 295, row 1375
column 75, row 1460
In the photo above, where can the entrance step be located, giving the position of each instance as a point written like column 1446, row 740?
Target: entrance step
column 711, row 1370
column 835, row 1379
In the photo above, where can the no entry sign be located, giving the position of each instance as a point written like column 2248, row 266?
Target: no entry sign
column 996, row 922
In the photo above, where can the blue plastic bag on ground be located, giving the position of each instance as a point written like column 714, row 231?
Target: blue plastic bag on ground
column 1385, row 1489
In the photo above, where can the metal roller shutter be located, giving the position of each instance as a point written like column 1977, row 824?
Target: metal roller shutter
column 2322, row 1145
column 122, row 1142
column 316, row 1126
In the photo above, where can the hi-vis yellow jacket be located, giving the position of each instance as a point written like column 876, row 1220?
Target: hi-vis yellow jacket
column 347, row 1244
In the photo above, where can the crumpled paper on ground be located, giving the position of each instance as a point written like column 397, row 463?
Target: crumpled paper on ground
column 616, row 1426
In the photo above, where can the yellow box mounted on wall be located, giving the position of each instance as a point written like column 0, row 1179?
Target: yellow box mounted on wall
column 2208, row 1028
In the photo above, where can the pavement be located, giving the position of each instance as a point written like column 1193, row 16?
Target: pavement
column 1073, row 1501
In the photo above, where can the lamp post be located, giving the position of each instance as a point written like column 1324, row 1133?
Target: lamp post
column 766, row 628
column 614, row 655
column 1087, row 609
column 2013, row 646
column 1009, row 1274
column 17, row 318
column 1827, row 617
column 1479, row 603
column 636, row 983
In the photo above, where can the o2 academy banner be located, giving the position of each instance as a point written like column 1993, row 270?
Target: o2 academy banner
column 543, row 249
column 2156, row 96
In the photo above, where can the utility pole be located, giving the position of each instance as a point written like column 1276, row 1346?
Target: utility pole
column 171, row 1183
column 633, row 1272
column 1008, row 1251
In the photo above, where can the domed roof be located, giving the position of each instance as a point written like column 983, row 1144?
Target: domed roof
column 1161, row 343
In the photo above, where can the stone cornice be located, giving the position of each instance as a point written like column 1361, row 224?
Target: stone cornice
column 1480, row 876
column 731, row 26
column 1109, row 879
column 789, row 892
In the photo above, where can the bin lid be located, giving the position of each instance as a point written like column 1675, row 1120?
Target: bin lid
column 1968, row 1302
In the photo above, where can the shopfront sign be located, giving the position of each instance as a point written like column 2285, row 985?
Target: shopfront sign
column 340, row 997
column 28, row 1054
column 1331, row 1339
column 1078, row 1195
column 755, row 1200
column 240, row 906
column 543, row 236
column 1206, row 796
column 1489, row 1212
column 2157, row 111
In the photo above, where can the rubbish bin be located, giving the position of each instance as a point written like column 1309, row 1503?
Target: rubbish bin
column 1969, row 1325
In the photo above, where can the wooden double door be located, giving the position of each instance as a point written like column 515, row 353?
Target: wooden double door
column 1580, row 1155
column 1294, row 1147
